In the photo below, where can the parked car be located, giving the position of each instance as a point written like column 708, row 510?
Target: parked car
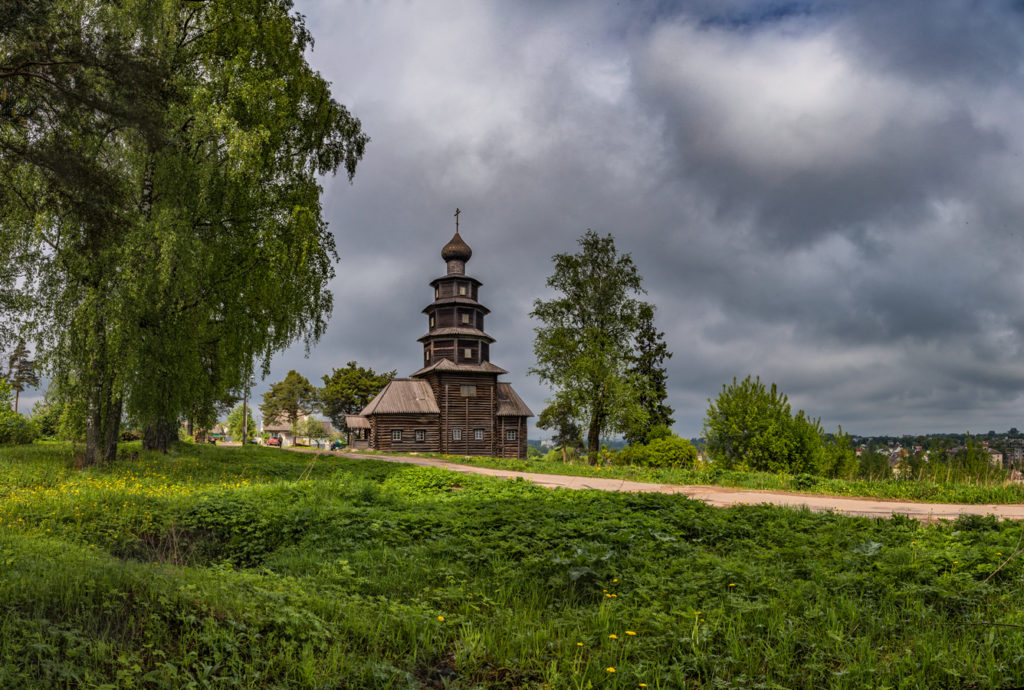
column 274, row 442
column 337, row 444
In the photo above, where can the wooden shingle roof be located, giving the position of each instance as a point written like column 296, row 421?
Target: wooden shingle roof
column 403, row 396
column 456, row 331
column 356, row 421
column 448, row 365
column 510, row 404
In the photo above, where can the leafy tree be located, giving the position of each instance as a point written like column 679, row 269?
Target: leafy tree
column 290, row 399
column 587, row 347
column 840, row 458
column 14, row 428
column 652, row 379
column 349, row 390
column 558, row 417
column 748, row 426
column 159, row 199
column 235, row 424
column 21, row 371
column 310, row 428
column 46, row 416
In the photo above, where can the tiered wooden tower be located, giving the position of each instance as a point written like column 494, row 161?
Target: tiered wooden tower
column 471, row 412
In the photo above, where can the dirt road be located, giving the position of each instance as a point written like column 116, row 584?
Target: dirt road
column 723, row 497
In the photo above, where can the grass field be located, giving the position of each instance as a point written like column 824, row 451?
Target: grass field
column 978, row 492
column 260, row 568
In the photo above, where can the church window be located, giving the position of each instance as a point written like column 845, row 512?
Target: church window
column 456, row 434
column 468, row 353
column 462, row 290
column 467, row 391
column 465, row 317
column 437, row 292
column 396, row 434
column 510, row 435
column 421, row 435
column 478, row 434
column 431, row 321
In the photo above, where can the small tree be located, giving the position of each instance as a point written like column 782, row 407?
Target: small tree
column 289, row 400
column 349, row 390
column 21, row 371
column 235, row 423
column 748, row 426
column 310, row 428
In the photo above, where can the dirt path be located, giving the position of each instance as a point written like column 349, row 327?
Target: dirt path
column 722, row 497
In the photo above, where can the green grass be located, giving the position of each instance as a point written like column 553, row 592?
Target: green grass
column 895, row 489
column 261, row 568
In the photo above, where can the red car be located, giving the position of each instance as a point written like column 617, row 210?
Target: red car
column 274, row 442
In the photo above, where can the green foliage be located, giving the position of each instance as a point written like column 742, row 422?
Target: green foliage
column 46, row 416
column 15, row 429
column 664, row 451
column 652, row 379
column 749, row 427
column 839, row 456
column 234, row 423
column 21, row 371
column 349, row 390
column 231, row 567
column 169, row 235
column 594, row 336
column 288, row 400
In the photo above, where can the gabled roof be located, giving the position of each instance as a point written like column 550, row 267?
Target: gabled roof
column 510, row 404
column 403, row 396
column 448, row 365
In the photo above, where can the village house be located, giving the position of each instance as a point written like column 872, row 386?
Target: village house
column 455, row 403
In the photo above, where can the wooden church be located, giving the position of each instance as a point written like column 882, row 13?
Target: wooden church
column 455, row 404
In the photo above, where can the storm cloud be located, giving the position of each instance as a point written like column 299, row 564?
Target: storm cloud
column 823, row 194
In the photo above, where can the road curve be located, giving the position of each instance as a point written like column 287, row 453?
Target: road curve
column 723, row 497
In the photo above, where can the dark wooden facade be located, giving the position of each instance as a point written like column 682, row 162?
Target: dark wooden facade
column 471, row 414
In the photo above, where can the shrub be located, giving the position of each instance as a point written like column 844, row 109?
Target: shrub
column 15, row 429
column 669, row 451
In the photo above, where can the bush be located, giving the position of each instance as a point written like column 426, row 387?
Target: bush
column 16, row 429
column 670, row 451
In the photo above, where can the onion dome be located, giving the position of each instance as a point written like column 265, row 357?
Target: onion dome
column 456, row 249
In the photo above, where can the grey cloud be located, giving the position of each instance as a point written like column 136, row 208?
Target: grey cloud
column 845, row 223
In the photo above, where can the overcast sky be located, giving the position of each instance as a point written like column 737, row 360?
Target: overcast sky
column 825, row 194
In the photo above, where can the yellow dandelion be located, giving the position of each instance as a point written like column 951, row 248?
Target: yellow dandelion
column 630, row 632
column 579, row 644
column 615, row 579
column 732, row 584
column 610, row 669
column 441, row 618
column 613, row 636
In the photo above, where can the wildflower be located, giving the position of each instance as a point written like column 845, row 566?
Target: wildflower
column 613, row 636
column 732, row 584
column 615, row 579
column 696, row 613
column 441, row 618
column 630, row 632
column 610, row 669
column 579, row 644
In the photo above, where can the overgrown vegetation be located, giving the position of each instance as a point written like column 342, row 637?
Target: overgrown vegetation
column 252, row 567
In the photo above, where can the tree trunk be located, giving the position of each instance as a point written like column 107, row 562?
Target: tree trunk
column 158, row 435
